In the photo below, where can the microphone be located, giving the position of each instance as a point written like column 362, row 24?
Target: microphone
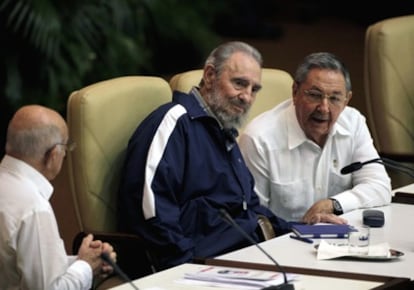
column 285, row 286
column 117, row 269
column 384, row 161
column 358, row 165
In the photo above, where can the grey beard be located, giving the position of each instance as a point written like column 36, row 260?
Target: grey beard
column 231, row 121
column 226, row 120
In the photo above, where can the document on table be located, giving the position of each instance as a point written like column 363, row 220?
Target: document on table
column 237, row 278
column 328, row 251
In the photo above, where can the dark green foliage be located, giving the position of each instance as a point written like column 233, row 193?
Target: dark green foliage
column 51, row 47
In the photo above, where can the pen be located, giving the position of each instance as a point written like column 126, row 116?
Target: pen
column 306, row 240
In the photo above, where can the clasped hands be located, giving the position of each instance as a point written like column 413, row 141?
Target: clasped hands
column 91, row 250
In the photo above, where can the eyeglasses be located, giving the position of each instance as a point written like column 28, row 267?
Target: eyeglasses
column 315, row 96
column 69, row 147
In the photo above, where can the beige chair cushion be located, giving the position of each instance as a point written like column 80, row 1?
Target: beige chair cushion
column 184, row 81
column 277, row 87
column 101, row 119
column 389, row 84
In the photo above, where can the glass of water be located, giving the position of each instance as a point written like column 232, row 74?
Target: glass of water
column 358, row 240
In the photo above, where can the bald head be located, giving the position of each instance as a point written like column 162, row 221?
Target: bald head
column 33, row 130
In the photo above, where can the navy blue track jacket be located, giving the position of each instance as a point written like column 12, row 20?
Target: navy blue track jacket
column 178, row 173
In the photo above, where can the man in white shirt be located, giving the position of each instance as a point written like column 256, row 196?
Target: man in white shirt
column 32, row 253
column 296, row 150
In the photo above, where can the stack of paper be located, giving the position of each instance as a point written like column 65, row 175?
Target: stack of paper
column 331, row 251
column 237, row 278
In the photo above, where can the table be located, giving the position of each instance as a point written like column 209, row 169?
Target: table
column 299, row 257
column 397, row 231
column 167, row 280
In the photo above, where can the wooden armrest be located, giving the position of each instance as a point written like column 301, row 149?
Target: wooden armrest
column 403, row 197
column 109, row 282
column 266, row 227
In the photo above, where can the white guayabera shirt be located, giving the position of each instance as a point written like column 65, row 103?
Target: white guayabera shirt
column 32, row 254
column 292, row 172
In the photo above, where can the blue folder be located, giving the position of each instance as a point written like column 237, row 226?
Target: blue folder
column 321, row 231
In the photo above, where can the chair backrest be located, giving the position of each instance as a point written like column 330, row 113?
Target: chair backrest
column 101, row 118
column 277, row 87
column 389, row 85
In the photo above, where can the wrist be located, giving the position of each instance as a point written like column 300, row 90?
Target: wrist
column 337, row 208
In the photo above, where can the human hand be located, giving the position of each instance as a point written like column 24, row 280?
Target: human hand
column 321, row 211
column 109, row 250
column 324, row 218
column 90, row 251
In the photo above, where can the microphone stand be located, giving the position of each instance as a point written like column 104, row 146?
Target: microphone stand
column 285, row 286
column 384, row 161
column 117, row 269
column 398, row 166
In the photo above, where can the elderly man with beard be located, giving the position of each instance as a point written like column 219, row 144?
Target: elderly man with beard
column 183, row 165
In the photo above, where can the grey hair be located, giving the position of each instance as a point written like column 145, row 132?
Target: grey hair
column 322, row 60
column 33, row 142
column 223, row 52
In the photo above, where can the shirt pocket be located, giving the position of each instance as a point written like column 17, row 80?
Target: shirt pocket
column 291, row 199
column 339, row 183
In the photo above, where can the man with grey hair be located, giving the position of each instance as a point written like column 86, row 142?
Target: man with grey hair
column 183, row 165
column 32, row 254
column 296, row 150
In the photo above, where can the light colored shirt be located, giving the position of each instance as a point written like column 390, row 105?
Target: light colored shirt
column 32, row 253
column 292, row 172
